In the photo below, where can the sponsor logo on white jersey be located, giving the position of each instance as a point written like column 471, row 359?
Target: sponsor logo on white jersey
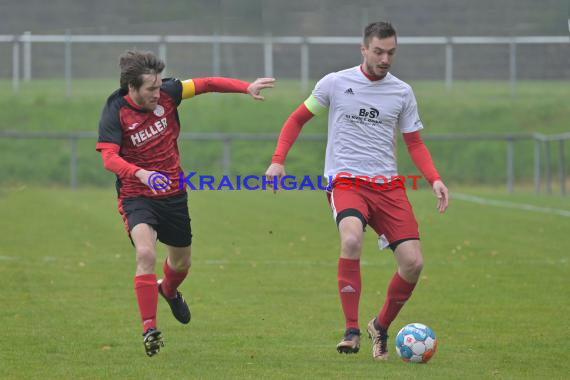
column 368, row 116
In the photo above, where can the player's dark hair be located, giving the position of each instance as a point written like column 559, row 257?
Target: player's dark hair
column 134, row 64
column 380, row 30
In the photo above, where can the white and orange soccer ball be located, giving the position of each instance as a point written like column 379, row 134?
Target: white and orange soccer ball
column 416, row 343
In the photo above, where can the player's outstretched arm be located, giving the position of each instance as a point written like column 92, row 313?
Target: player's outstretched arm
column 289, row 133
column 115, row 163
column 254, row 89
column 274, row 171
column 157, row 182
column 442, row 194
column 197, row 86
column 422, row 159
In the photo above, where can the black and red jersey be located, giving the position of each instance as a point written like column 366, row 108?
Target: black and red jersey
column 146, row 139
column 132, row 138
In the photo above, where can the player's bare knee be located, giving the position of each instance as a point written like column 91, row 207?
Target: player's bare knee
column 181, row 264
column 418, row 265
column 412, row 266
column 179, row 258
column 146, row 256
column 185, row 263
column 351, row 246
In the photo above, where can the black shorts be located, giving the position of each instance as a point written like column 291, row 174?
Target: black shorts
column 168, row 216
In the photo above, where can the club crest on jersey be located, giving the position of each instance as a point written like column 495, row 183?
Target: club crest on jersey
column 159, row 110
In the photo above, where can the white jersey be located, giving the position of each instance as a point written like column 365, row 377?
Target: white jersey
column 363, row 118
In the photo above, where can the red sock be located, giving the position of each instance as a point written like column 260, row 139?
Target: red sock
column 349, row 286
column 147, row 297
column 171, row 280
column 398, row 293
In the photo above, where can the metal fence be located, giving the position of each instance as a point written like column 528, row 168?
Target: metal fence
column 22, row 46
column 542, row 150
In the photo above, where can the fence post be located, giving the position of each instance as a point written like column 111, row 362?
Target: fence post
column 513, row 66
column 449, row 64
column 547, row 167
column 227, row 156
column 73, row 164
column 537, row 166
column 510, row 164
column 561, row 167
column 16, row 65
column 27, row 40
column 268, row 55
column 67, row 63
column 304, row 66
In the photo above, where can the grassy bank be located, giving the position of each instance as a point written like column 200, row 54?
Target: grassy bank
column 470, row 107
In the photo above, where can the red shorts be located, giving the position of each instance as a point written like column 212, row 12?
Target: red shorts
column 387, row 211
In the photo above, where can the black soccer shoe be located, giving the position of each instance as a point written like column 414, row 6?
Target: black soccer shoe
column 178, row 306
column 350, row 343
column 152, row 341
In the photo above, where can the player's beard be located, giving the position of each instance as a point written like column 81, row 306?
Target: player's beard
column 150, row 105
column 147, row 103
column 372, row 71
column 144, row 103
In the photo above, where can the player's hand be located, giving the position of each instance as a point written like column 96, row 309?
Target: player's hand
column 274, row 170
column 442, row 194
column 259, row 84
column 156, row 181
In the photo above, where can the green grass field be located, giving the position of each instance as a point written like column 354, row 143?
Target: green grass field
column 262, row 289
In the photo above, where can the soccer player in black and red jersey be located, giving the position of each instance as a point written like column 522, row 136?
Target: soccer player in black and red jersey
column 138, row 134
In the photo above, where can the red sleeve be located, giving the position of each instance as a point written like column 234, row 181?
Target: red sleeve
column 420, row 156
column 290, row 132
column 115, row 163
column 219, row 84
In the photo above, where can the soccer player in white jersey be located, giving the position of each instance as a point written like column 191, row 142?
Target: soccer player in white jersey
column 366, row 107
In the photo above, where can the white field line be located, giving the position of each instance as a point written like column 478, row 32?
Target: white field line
column 513, row 205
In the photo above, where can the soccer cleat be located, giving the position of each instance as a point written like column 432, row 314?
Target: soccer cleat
column 178, row 305
column 152, row 341
column 379, row 341
column 350, row 344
